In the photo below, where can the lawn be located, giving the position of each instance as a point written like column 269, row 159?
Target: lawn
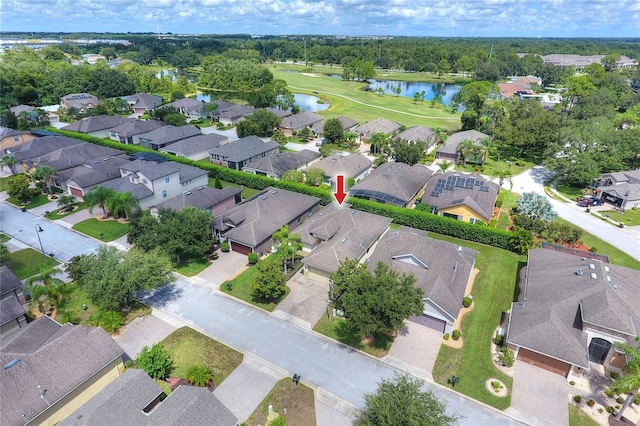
column 4, row 183
column 493, row 292
column 297, row 400
column 55, row 215
column 104, row 230
column 74, row 297
column 571, row 192
column 4, row 238
column 189, row 347
column 514, row 167
column 510, row 201
column 630, row 217
column 579, row 418
column 616, row 256
column 348, row 98
column 241, row 289
column 246, row 191
column 37, row 201
column 336, row 330
column 26, row 263
column 192, row 267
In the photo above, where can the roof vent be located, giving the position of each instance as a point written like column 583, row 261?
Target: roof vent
column 274, row 191
column 608, row 278
column 344, row 240
column 11, row 363
column 606, row 268
column 579, row 271
column 592, row 266
column 265, row 197
column 593, row 276
column 187, row 193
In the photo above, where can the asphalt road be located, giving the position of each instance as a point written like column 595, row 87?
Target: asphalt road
column 322, row 363
column 63, row 243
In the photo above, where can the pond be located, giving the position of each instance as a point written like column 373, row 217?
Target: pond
column 168, row 72
column 309, row 103
column 447, row 91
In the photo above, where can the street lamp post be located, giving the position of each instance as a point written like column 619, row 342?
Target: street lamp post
column 38, row 231
column 624, row 200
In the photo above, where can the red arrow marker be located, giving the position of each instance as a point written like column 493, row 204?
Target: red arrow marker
column 340, row 194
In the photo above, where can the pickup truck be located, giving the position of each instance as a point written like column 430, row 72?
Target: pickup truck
column 590, row 201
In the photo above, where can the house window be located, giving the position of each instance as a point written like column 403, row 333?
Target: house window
column 451, row 216
column 166, row 179
column 15, row 138
column 144, row 180
column 164, row 193
column 474, row 220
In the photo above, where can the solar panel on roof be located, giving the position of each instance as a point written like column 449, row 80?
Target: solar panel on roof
column 478, row 182
column 461, row 182
column 469, row 184
column 435, row 193
column 484, row 189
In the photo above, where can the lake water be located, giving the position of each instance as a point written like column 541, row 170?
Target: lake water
column 171, row 73
column 309, row 103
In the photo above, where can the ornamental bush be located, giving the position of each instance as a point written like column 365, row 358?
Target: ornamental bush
column 199, row 375
column 224, row 247
column 467, row 301
column 577, row 399
column 110, row 321
column 456, row 334
column 253, row 258
column 506, row 357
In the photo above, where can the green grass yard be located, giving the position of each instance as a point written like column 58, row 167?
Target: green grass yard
column 297, row 400
column 192, row 267
column 55, row 215
column 37, row 201
column 246, row 191
column 336, row 330
column 103, row 230
column 241, row 288
column 189, row 347
column 26, row 263
column 4, row 238
column 493, row 292
column 630, row 217
column 578, row 417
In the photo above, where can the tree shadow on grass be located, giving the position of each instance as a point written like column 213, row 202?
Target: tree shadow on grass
column 380, row 342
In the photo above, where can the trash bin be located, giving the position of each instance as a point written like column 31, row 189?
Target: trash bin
column 23, row 208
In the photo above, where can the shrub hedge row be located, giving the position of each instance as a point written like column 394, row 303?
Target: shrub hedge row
column 215, row 171
column 440, row 225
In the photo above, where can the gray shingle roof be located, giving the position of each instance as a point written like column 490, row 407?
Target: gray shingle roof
column 21, row 108
column 243, row 148
column 96, row 123
column 57, row 357
column 6, row 132
column 136, row 127
column 347, row 122
column 557, row 296
column 419, row 133
column 304, row 119
column 123, row 400
column 195, row 144
column 201, row 198
column 279, row 163
column 153, row 171
column 350, row 165
column 279, row 112
column 233, row 111
column 442, row 195
column 396, row 183
column 79, row 100
column 257, row 218
column 42, row 145
column 8, row 280
column 452, row 142
column 10, row 309
column 448, row 268
column 74, row 155
column 167, row 134
column 342, row 232
column 123, row 184
column 185, row 103
column 94, row 172
column 144, row 100
column 379, row 125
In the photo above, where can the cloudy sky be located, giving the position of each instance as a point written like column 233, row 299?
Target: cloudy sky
column 481, row 18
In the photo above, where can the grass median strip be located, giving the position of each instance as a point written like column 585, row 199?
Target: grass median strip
column 103, row 230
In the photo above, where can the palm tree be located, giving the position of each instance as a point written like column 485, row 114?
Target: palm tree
column 99, row 197
column 123, row 203
column 65, row 202
column 444, row 166
column 44, row 284
column 502, row 172
column 288, row 244
column 630, row 382
column 9, row 161
column 464, row 150
column 44, row 175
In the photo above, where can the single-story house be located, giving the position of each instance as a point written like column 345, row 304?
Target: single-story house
column 134, row 398
column 420, row 133
column 81, row 179
column 12, row 314
column 190, row 107
column 449, row 150
column 41, row 145
column 241, row 152
column 297, row 122
column 348, row 124
column 10, row 138
column 231, row 114
column 274, row 166
column 163, row 136
column 442, row 270
column 212, row 200
column 195, row 147
column 51, row 369
column 571, row 309
column 354, row 165
column 335, row 234
column 125, row 132
column 622, row 189
column 379, row 125
column 153, row 183
column 393, row 183
column 282, row 113
column 465, row 197
column 249, row 225
column 18, row 109
column 80, row 101
column 71, row 156
column 97, row 126
column 143, row 102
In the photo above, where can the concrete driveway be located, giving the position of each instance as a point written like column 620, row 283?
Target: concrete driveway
column 539, row 396
column 247, row 386
column 305, row 303
column 143, row 331
column 415, row 349
column 224, row 268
